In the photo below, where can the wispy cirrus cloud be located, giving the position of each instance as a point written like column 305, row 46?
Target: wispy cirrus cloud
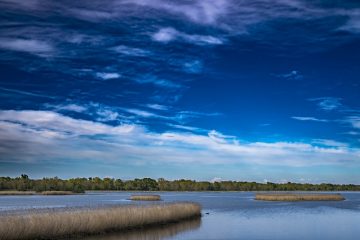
column 354, row 121
column 25, row 93
column 157, row 106
column 195, row 66
column 170, row 34
column 32, row 46
column 330, row 143
column 130, row 51
column 199, row 11
column 188, row 128
column 151, row 79
column 327, row 103
column 293, row 75
column 108, row 75
column 309, row 119
column 72, row 107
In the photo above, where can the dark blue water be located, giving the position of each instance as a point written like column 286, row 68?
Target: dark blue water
column 226, row 215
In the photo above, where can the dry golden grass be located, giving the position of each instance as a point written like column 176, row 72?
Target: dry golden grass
column 5, row 193
column 63, row 224
column 145, row 197
column 57, row 193
column 299, row 197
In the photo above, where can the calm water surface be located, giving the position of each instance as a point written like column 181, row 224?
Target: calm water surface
column 226, row 215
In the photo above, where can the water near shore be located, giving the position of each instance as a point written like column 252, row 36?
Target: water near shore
column 226, row 215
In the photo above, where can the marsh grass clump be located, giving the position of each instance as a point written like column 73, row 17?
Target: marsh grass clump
column 57, row 193
column 291, row 197
column 14, row 192
column 58, row 224
column 145, row 197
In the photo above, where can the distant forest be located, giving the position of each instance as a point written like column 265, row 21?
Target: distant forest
column 79, row 185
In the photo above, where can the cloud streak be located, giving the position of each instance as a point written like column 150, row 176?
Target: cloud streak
column 32, row 46
column 327, row 103
column 310, row 119
column 169, row 34
column 55, row 136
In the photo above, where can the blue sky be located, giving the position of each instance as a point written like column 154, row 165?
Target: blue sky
column 208, row 89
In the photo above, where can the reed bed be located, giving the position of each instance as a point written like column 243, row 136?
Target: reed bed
column 7, row 193
column 299, row 197
column 145, row 198
column 57, row 193
column 52, row 225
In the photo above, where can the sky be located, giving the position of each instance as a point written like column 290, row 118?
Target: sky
column 198, row 89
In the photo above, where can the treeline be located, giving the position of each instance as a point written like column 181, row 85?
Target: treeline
column 24, row 183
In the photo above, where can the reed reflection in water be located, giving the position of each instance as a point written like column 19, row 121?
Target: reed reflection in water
column 151, row 232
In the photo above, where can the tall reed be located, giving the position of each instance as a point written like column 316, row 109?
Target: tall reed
column 299, row 197
column 63, row 224
column 145, row 197
column 57, row 193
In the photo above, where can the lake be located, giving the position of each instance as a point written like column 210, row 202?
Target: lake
column 226, row 215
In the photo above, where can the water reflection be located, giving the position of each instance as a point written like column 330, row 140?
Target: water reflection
column 151, row 233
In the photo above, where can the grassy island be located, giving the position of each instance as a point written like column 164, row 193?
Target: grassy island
column 52, row 225
column 291, row 197
column 57, row 193
column 145, row 197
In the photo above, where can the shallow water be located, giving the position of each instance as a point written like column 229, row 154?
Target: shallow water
column 226, row 215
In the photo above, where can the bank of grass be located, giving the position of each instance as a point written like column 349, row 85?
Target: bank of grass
column 57, row 193
column 146, row 197
column 22, row 193
column 10, row 192
column 291, row 197
column 52, row 225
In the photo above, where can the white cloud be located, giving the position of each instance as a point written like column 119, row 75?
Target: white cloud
column 136, row 52
column 27, row 93
column 353, row 23
column 107, row 75
column 199, row 11
column 293, row 75
column 195, row 66
column 330, row 143
column 169, row 34
column 327, row 103
column 68, row 107
column 157, row 106
column 310, row 119
column 142, row 113
column 188, row 128
column 47, row 136
column 106, row 115
column 32, row 46
column 354, row 121
column 157, row 81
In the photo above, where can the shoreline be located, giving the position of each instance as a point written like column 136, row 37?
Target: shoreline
column 32, row 193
